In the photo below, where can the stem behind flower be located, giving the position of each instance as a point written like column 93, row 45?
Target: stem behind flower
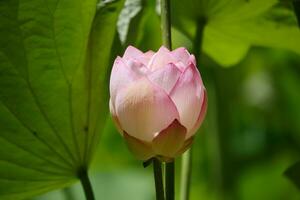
column 186, row 163
column 159, row 187
column 166, row 23
column 167, row 41
column 186, row 171
column 170, row 186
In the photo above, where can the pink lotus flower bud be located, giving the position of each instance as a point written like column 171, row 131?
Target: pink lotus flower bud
column 157, row 101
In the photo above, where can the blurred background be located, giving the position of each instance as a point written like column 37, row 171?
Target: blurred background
column 251, row 134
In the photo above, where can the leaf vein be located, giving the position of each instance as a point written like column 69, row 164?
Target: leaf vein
column 38, row 138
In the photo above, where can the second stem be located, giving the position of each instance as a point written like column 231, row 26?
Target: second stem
column 170, row 181
column 167, row 42
column 166, row 23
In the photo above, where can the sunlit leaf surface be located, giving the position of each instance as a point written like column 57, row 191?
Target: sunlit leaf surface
column 53, row 100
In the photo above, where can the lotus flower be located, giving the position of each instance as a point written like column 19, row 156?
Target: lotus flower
column 157, row 101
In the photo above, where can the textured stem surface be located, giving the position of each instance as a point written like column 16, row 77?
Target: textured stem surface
column 186, row 171
column 170, row 181
column 166, row 23
column 86, row 184
column 159, row 187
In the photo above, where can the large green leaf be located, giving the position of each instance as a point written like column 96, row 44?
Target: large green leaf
column 232, row 26
column 54, row 58
column 100, row 63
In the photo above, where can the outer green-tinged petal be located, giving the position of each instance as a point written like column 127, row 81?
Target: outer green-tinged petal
column 140, row 149
column 170, row 140
column 187, row 144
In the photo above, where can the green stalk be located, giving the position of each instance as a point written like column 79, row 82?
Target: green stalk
column 186, row 163
column 159, row 187
column 167, row 42
column 186, row 172
column 166, row 23
column 86, row 184
column 170, row 181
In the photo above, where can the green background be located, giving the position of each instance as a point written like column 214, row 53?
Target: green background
column 55, row 60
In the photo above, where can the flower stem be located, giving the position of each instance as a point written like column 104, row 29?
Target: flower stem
column 159, row 187
column 186, row 171
column 170, row 180
column 166, row 23
column 86, row 184
column 167, row 42
column 186, row 163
